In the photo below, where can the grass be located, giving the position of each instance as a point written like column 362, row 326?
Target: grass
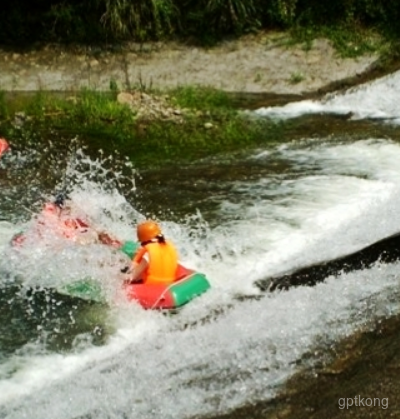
column 204, row 98
column 100, row 122
column 296, row 78
column 87, row 106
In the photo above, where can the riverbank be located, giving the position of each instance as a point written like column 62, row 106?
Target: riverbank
column 254, row 64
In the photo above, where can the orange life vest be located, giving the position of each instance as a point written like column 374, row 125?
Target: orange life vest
column 162, row 264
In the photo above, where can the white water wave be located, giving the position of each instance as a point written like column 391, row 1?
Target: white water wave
column 375, row 100
column 155, row 366
column 240, row 358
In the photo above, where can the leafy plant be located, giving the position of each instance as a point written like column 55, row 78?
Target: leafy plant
column 280, row 12
column 142, row 19
column 114, row 87
column 296, row 77
column 222, row 16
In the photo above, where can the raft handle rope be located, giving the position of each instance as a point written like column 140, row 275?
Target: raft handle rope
column 161, row 297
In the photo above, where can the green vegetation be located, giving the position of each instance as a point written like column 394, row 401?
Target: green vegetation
column 204, row 21
column 201, row 99
column 349, row 41
column 206, row 123
column 3, row 106
column 296, row 78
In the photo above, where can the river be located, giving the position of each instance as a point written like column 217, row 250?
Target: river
column 237, row 218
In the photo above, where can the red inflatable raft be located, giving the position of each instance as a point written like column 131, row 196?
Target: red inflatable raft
column 187, row 285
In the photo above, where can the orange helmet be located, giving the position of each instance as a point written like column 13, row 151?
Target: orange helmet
column 148, row 230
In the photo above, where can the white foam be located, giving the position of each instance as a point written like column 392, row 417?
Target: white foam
column 376, row 100
column 241, row 357
column 38, row 368
column 336, row 198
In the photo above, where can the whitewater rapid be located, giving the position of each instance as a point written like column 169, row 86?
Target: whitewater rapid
column 377, row 101
column 335, row 197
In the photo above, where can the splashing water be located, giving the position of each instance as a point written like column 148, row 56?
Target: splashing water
column 217, row 353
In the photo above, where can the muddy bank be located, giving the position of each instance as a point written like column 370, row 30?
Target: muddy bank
column 255, row 65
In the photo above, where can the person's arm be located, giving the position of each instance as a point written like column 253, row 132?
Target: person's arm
column 137, row 270
column 83, row 224
column 108, row 240
column 100, row 235
column 139, row 264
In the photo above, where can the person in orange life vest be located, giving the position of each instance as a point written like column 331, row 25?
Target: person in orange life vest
column 61, row 218
column 4, row 146
column 57, row 218
column 156, row 261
